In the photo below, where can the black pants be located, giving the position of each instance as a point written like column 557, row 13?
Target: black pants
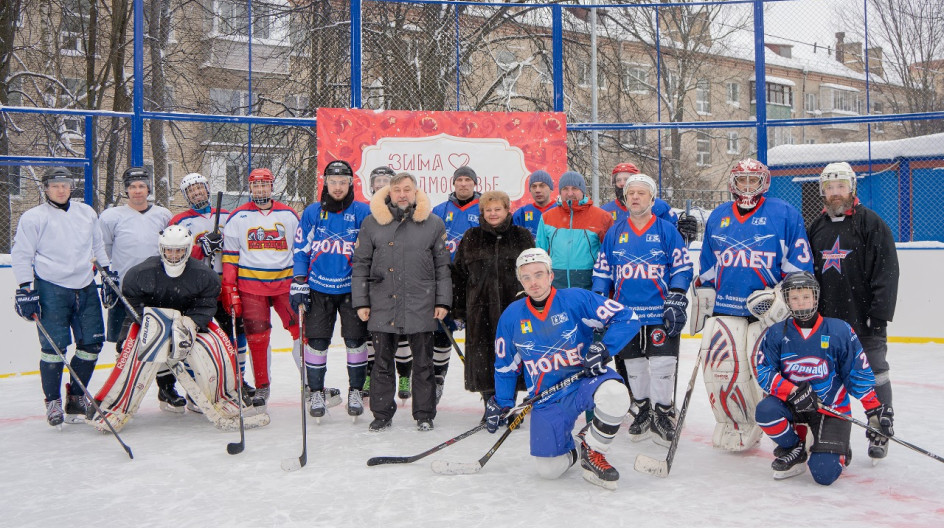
column 383, row 380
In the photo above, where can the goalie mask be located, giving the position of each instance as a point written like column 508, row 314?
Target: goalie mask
column 175, row 243
column 748, row 181
column 196, row 190
column 801, row 292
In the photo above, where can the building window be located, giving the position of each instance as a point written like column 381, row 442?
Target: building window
column 632, row 138
column 733, row 147
column 232, row 19
column 877, row 109
column 840, row 99
column 703, row 97
column 734, row 94
column 584, row 79
column 778, row 94
column 635, row 78
column 811, row 102
column 781, row 136
column 73, row 27
column 12, row 184
column 702, row 148
column 15, row 92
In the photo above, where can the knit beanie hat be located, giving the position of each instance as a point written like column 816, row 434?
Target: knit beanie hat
column 465, row 170
column 573, row 179
column 541, row 176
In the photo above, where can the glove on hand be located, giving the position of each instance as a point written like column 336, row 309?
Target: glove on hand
column 27, row 303
column 460, row 324
column 299, row 295
column 688, row 227
column 673, row 313
column 494, row 415
column 107, row 293
column 211, row 242
column 881, row 418
column 231, row 301
column 803, row 399
column 597, row 358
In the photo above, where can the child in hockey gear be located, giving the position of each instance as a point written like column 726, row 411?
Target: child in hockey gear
column 857, row 267
column 53, row 245
column 750, row 243
column 324, row 243
column 549, row 337
column 644, row 263
column 811, row 361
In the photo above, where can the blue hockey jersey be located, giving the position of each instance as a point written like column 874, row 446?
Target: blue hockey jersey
column 743, row 254
column 830, row 358
column 551, row 345
column 640, row 267
column 458, row 220
column 324, row 246
column 660, row 208
column 528, row 216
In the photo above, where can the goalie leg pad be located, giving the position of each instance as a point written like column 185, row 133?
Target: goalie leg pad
column 729, row 374
column 126, row 386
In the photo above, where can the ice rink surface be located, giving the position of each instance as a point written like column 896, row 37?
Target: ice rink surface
column 182, row 475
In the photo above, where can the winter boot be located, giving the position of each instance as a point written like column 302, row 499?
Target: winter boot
column 639, row 430
column 54, row 412
column 596, row 469
column 169, row 400
column 426, row 424
column 663, row 425
column 790, row 463
column 379, row 424
column 248, row 389
column 316, row 404
column 261, row 399
column 355, row 404
column 403, row 388
column 76, row 408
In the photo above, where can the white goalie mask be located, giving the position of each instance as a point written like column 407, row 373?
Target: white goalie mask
column 175, row 243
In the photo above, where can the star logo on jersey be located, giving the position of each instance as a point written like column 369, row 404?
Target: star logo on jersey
column 624, row 238
column 526, row 326
column 832, row 258
column 726, row 221
column 529, row 216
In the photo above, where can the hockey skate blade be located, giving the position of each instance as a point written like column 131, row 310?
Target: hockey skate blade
column 590, row 477
column 640, row 437
column 647, row 464
column 166, row 407
column 792, row 472
column 291, row 464
column 444, row 467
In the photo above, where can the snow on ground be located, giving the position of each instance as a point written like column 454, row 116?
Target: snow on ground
column 182, row 476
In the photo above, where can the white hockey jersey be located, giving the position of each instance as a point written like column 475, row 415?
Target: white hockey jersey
column 131, row 236
column 199, row 225
column 258, row 248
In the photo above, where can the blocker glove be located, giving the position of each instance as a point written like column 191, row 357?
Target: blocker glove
column 299, row 294
column 494, row 415
column 881, row 418
column 27, row 303
column 804, row 399
column 674, row 315
column 597, row 358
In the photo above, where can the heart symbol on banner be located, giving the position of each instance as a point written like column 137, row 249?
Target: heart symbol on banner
column 458, row 160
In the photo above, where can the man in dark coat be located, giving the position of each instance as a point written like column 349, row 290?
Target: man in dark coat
column 484, row 284
column 401, row 285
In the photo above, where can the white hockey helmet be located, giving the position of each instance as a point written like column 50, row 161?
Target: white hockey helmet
column 178, row 241
column 840, row 171
column 530, row 256
column 641, row 179
column 195, row 178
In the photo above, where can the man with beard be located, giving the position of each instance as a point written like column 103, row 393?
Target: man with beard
column 856, row 265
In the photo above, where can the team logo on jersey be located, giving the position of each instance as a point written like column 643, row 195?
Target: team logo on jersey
column 474, row 218
column 657, row 337
column 560, row 318
column 832, row 258
column 824, row 341
column 528, row 216
column 624, row 238
column 324, row 214
column 449, row 216
column 652, row 237
column 759, row 220
column 262, row 238
column 805, row 369
column 526, row 326
column 726, row 221
column 613, row 214
column 349, row 217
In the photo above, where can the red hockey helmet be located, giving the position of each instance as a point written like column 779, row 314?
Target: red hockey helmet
column 261, row 195
column 623, row 167
column 754, row 179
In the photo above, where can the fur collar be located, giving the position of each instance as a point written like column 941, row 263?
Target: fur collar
column 381, row 208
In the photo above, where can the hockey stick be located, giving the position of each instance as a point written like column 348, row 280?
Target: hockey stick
column 82, row 385
column 106, row 280
column 452, row 340
column 216, row 225
column 444, row 467
column 294, row 464
column 829, row 411
column 235, row 448
column 661, row 468
column 380, row 460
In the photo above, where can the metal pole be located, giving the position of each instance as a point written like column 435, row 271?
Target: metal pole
column 90, row 162
column 760, row 91
column 557, row 47
column 356, row 60
column 249, row 108
column 137, row 101
column 594, row 104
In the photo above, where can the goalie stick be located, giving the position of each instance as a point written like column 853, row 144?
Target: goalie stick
column 444, row 467
column 235, row 448
column 829, row 411
column 294, row 464
column 82, row 385
column 661, row 468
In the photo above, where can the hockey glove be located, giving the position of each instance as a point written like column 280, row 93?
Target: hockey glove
column 597, row 358
column 211, row 242
column 804, row 399
column 673, row 313
column 881, row 418
column 27, row 303
column 107, row 293
column 459, row 324
column 494, row 415
column 300, row 294
column 688, row 227
column 231, row 301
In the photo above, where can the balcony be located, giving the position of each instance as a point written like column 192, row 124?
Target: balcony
column 232, row 53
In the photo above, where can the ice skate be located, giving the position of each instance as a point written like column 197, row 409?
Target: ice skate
column 332, row 397
column 192, row 406
column 640, row 429
column 54, row 412
column 596, row 469
column 76, row 408
column 316, row 405
column 355, row 404
column 663, row 425
column 170, row 400
column 789, row 462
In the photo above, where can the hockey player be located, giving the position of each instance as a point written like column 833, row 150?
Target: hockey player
column 644, row 263
column 459, row 213
column 857, row 267
column 52, row 248
column 618, row 206
column 541, row 186
column 200, row 220
column 750, row 244
column 130, row 235
column 810, row 360
column 549, row 336
column 177, row 297
column 257, row 270
column 324, row 247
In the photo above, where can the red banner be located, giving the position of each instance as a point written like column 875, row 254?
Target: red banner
column 502, row 148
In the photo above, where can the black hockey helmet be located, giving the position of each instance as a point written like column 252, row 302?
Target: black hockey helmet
column 802, row 280
column 136, row 174
column 57, row 174
column 339, row 168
